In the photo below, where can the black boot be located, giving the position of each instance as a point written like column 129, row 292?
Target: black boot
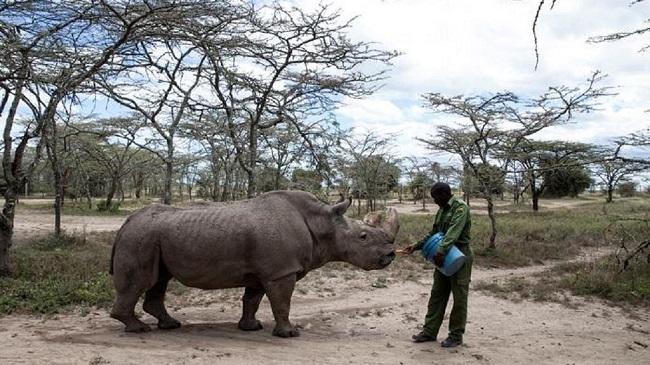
column 423, row 337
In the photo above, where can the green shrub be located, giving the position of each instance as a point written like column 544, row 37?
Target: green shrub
column 102, row 206
column 54, row 273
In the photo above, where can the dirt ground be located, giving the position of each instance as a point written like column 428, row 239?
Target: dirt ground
column 347, row 317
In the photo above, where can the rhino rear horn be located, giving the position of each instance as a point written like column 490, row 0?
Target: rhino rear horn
column 342, row 207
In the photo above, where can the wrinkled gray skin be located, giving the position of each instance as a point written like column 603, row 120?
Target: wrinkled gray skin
column 264, row 244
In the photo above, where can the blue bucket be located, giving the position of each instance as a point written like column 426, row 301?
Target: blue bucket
column 453, row 260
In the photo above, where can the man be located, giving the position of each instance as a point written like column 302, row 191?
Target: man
column 453, row 219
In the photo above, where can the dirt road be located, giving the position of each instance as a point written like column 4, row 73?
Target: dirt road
column 347, row 317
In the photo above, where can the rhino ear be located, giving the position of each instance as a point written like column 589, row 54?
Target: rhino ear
column 372, row 219
column 342, row 207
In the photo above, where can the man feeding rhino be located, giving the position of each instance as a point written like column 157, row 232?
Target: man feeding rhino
column 454, row 257
column 264, row 244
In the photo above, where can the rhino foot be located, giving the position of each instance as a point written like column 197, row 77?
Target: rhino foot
column 138, row 327
column 169, row 324
column 286, row 332
column 253, row 325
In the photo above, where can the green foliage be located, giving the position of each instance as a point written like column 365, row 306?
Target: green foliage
column 525, row 238
column 102, row 206
column 54, row 273
column 600, row 278
column 420, row 185
column 308, row 180
column 603, row 278
column 271, row 179
column 560, row 235
column 487, row 180
column 627, row 189
column 564, row 181
column 374, row 176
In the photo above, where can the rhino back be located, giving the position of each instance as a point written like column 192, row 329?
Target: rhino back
column 220, row 246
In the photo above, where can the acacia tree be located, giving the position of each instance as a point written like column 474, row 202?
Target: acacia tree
column 633, row 247
column 370, row 167
column 162, row 109
column 114, row 157
column 422, row 173
column 50, row 51
column 217, row 149
column 282, row 148
column 569, row 179
column 161, row 79
column 612, row 170
column 533, row 158
column 618, row 35
column 481, row 139
column 293, row 67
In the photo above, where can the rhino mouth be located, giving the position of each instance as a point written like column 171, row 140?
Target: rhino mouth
column 386, row 259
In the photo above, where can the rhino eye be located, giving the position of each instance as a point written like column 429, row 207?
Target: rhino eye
column 363, row 235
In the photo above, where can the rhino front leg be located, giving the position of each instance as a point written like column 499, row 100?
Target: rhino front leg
column 279, row 293
column 250, row 303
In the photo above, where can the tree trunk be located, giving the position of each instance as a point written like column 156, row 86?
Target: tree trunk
column 138, row 182
column 250, row 181
column 167, row 192
column 251, row 162
column 53, row 155
column 226, row 191
column 535, row 198
column 7, row 229
column 112, row 188
column 610, row 194
column 534, row 195
column 58, row 188
column 493, row 223
column 89, row 199
column 6, row 234
column 216, row 171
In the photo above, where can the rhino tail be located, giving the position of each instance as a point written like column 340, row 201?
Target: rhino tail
column 110, row 268
column 117, row 239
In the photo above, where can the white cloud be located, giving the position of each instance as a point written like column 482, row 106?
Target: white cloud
column 483, row 46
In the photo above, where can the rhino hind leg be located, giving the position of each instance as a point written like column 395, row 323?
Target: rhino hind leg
column 250, row 303
column 133, row 275
column 279, row 293
column 154, row 301
column 123, row 311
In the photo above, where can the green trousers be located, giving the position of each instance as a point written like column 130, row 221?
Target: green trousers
column 458, row 286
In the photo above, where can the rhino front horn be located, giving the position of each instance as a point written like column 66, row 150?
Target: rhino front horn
column 391, row 224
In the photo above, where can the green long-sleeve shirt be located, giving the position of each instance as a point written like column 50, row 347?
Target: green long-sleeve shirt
column 454, row 221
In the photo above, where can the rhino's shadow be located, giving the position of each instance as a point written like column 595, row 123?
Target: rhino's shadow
column 225, row 330
column 189, row 334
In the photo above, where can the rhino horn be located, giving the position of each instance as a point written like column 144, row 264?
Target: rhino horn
column 391, row 224
column 388, row 222
column 341, row 207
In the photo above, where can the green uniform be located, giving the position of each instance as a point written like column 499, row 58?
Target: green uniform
column 454, row 221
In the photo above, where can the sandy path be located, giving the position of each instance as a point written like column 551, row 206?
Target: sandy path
column 344, row 320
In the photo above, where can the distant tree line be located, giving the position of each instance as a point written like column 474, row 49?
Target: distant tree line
column 224, row 100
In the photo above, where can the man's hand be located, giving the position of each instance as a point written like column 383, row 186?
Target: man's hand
column 407, row 250
column 439, row 259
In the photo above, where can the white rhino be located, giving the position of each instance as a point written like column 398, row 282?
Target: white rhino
column 264, row 244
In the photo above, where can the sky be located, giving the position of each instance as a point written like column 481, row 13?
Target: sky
column 475, row 47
